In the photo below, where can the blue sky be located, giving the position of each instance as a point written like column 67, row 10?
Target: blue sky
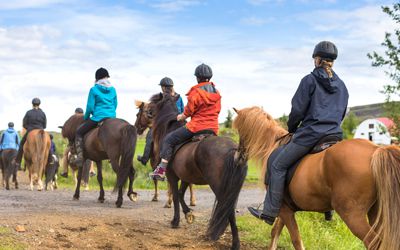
column 259, row 50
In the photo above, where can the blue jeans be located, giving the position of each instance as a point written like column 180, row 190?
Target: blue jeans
column 283, row 161
column 173, row 139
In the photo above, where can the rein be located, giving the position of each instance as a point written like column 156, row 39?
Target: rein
column 281, row 139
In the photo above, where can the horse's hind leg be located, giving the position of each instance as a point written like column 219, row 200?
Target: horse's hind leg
column 100, row 180
column 15, row 179
column 78, row 183
column 173, row 181
column 234, row 230
column 186, row 210
column 192, row 196
column 155, row 196
column 168, row 204
column 287, row 216
column 132, row 195
column 275, row 233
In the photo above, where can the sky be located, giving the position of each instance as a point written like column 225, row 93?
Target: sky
column 259, row 50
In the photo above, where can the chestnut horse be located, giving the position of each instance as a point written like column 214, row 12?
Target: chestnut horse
column 114, row 139
column 143, row 121
column 214, row 160
column 36, row 152
column 355, row 177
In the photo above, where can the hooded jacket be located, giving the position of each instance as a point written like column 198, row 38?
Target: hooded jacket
column 10, row 139
column 204, row 105
column 102, row 103
column 318, row 107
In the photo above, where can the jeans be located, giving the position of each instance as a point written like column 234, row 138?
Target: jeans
column 286, row 158
column 173, row 139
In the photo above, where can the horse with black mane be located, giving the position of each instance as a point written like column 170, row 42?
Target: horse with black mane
column 216, row 161
column 144, row 119
column 113, row 139
column 8, row 167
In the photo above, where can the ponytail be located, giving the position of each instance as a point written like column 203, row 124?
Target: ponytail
column 327, row 65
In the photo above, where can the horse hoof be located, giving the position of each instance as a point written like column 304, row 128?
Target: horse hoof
column 167, row 205
column 133, row 197
column 174, row 224
column 154, row 199
column 75, row 198
column 192, row 204
column 101, row 200
column 189, row 217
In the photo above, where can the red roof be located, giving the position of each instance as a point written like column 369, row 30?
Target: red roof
column 388, row 122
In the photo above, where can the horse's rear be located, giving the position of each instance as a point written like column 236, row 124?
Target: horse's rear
column 36, row 151
column 348, row 178
column 8, row 167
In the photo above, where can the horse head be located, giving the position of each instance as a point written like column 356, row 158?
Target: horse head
column 71, row 125
column 143, row 117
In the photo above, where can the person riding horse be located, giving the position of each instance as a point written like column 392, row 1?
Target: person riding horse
column 101, row 104
column 167, row 86
column 318, row 106
column 10, row 138
column 33, row 119
column 204, row 105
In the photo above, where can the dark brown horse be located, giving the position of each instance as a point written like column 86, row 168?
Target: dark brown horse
column 8, row 167
column 356, row 178
column 215, row 161
column 36, row 152
column 115, row 140
column 144, row 119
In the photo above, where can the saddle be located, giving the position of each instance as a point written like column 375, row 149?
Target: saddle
column 199, row 136
column 322, row 144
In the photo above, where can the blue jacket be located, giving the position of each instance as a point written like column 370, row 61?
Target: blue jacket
column 10, row 139
column 52, row 147
column 102, row 103
column 179, row 105
column 318, row 106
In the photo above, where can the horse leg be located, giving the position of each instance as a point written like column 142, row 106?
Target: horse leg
column 100, row 180
column 275, row 233
column 175, row 197
column 15, row 179
column 132, row 195
column 78, row 183
column 192, row 196
column 186, row 210
column 155, row 196
column 168, row 204
column 7, row 181
column 234, row 230
column 287, row 216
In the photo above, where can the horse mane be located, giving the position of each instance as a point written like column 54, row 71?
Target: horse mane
column 165, row 113
column 258, row 133
column 70, row 126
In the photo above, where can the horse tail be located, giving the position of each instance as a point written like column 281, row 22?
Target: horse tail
column 128, row 145
column 40, row 155
column 385, row 166
column 233, row 176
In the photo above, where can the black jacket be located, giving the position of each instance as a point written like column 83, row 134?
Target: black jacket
column 34, row 119
column 318, row 107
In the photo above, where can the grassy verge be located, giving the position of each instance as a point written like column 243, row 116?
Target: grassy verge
column 8, row 240
column 316, row 233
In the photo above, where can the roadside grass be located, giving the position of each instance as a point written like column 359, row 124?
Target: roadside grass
column 316, row 233
column 8, row 240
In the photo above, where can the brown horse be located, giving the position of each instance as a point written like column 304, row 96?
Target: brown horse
column 114, row 139
column 215, row 161
column 85, row 171
column 354, row 177
column 36, row 152
column 8, row 167
column 144, row 119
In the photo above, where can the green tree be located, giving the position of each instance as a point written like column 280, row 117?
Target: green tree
column 283, row 120
column 391, row 60
column 228, row 121
column 349, row 125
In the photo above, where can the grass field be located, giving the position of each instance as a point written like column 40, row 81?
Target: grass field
column 316, row 232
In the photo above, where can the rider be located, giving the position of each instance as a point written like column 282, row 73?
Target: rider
column 10, row 138
column 167, row 86
column 203, row 107
column 101, row 105
column 33, row 119
column 318, row 107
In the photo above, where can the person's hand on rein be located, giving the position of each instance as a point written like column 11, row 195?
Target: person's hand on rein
column 180, row 117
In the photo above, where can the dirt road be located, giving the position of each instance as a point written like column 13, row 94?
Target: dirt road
column 52, row 220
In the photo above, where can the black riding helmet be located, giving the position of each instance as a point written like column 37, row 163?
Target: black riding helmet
column 203, row 72
column 101, row 73
column 10, row 124
column 36, row 101
column 79, row 110
column 326, row 50
column 166, row 82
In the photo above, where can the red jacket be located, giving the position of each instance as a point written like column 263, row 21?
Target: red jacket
column 204, row 105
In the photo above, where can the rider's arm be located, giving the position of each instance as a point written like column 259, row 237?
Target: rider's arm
column 45, row 121
column 89, row 105
column 115, row 100
column 25, row 121
column 300, row 102
column 191, row 106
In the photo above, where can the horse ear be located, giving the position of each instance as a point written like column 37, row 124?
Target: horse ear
column 60, row 127
column 138, row 103
column 237, row 111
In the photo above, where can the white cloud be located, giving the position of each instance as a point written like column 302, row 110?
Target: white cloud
column 23, row 4
column 255, row 21
column 174, row 5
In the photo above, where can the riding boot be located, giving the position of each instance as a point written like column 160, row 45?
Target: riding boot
column 147, row 149
column 79, row 151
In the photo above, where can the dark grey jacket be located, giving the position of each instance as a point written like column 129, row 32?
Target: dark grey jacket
column 34, row 119
column 318, row 107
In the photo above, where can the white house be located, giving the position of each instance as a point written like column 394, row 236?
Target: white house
column 375, row 130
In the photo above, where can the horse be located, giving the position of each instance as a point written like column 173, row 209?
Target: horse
column 113, row 139
column 66, row 161
column 8, row 167
column 216, row 161
column 356, row 178
column 143, row 121
column 36, row 152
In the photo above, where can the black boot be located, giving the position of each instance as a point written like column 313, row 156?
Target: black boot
column 79, row 152
column 258, row 214
column 142, row 159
